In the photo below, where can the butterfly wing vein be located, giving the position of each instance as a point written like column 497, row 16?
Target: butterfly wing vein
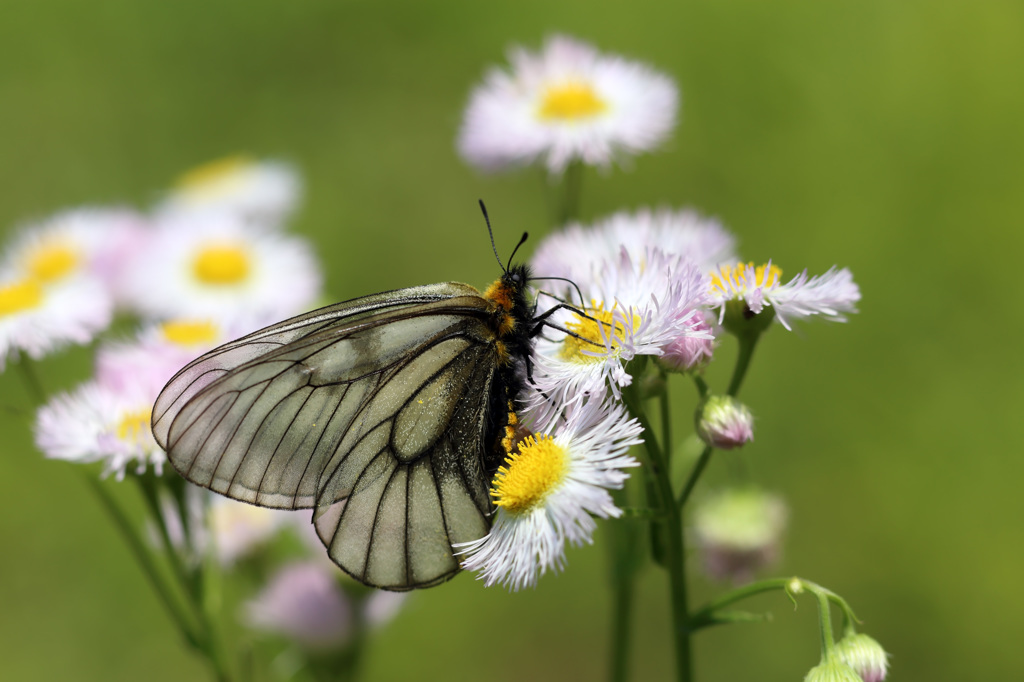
column 372, row 412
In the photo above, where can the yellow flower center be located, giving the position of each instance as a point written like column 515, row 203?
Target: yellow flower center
column 571, row 101
column 52, row 261
column 23, row 295
column 213, row 173
column 591, row 332
column 134, row 426
column 764, row 276
column 189, row 333
column 221, row 264
column 532, row 473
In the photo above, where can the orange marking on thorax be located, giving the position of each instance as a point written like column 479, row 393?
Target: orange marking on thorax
column 500, row 294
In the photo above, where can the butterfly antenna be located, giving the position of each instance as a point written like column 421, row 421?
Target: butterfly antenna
column 522, row 240
column 491, row 233
column 583, row 303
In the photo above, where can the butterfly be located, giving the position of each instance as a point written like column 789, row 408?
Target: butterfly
column 387, row 415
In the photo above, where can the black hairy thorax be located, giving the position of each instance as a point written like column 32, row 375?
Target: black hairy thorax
column 512, row 323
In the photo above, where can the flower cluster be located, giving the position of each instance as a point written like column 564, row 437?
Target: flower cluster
column 211, row 261
column 204, row 266
column 662, row 283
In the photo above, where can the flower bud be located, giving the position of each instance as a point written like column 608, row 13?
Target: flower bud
column 738, row 532
column 724, row 422
column 740, row 320
column 832, row 670
column 688, row 353
column 865, row 655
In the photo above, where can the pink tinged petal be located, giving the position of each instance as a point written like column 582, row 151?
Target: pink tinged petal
column 302, row 602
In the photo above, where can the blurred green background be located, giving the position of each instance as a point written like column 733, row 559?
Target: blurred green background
column 883, row 136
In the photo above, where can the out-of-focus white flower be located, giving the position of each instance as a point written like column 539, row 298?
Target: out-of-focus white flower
column 831, row 294
column 738, row 532
column 304, row 603
column 158, row 351
column 37, row 318
column 263, row 191
column 213, row 265
column 547, row 491
column 579, row 252
column 865, row 655
column 96, row 423
column 566, row 103
column 639, row 305
column 381, row 607
column 90, row 242
column 237, row 528
column 724, row 422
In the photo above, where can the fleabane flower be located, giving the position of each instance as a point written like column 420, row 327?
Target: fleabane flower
column 96, row 423
column 158, row 351
column 89, row 242
column 579, row 251
column 638, row 306
column 37, row 318
column 304, row 603
column 238, row 529
column 566, row 103
column 548, row 490
column 263, row 191
column 750, row 289
column 216, row 265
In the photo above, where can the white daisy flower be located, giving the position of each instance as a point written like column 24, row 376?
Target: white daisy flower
column 84, row 241
column 548, row 490
column 578, row 251
column 158, row 351
column 566, row 103
column 237, row 529
column 36, row 318
column 214, row 265
column 831, row 294
column 263, row 191
column 638, row 306
column 96, row 423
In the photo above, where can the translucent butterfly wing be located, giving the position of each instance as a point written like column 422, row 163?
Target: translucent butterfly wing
column 361, row 410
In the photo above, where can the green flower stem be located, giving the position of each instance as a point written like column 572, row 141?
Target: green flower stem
column 146, row 562
column 622, row 561
column 148, row 485
column 664, row 402
column 714, row 613
column 698, row 469
column 748, row 342
column 709, row 614
column 26, row 366
column 702, row 386
column 196, row 629
column 828, row 642
column 572, row 182
column 622, row 619
column 671, row 535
